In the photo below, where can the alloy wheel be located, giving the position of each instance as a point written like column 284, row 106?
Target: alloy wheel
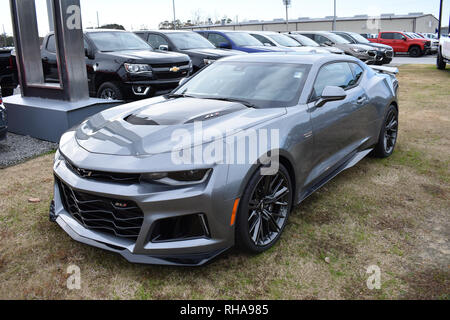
column 108, row 94
column 268, row 209
column 390, row 132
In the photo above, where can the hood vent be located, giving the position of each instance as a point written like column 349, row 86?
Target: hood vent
column 133, row 119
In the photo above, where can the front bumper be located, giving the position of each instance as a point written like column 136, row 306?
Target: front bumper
column 155, row 205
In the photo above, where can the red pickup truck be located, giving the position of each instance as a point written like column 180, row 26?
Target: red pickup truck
column 402, row 42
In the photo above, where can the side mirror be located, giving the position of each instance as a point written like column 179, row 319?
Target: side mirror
column 164, row 47
column 331, row 93
column 404, row 38
column 266, row 44
column 224, row 45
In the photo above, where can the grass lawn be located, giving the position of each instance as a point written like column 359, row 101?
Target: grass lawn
column 393, row 213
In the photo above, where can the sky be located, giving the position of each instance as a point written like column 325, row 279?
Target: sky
column 137, row 14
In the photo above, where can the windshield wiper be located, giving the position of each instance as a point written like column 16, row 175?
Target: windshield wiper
column 245, row 103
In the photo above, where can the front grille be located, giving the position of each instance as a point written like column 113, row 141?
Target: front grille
column 116, row 177
column 121, row 218
column 172, row 75
column 170, row 65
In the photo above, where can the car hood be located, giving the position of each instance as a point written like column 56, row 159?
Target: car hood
column 332, row 49
column 147, row 127
column 147, row 56
column 378, row 45
column 361, row 46
column 268, row 49
column 212, row 52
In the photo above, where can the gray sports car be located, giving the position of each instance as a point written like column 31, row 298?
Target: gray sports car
column 223, row 159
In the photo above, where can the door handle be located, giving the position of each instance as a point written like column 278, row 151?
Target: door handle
column 361, row 100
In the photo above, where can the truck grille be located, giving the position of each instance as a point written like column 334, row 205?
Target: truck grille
column 121, row 218
column 172, row 75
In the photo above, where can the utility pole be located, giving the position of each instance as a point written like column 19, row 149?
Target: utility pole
column 334, row 18
column 174, row 19
column 287, row 3
column 440, row 20
column 98, row 22
column 51, row 23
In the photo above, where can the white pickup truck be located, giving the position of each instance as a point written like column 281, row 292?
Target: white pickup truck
column 443, row 52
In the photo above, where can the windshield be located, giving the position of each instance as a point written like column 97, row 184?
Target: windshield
column 118, row 41
column 242, row 39
column 189, row 40
column 335, row 38
column 305, row 40
column 264, row 85
column 359, row 38
column 283, row 40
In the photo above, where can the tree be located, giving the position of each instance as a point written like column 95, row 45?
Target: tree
column 113, row 26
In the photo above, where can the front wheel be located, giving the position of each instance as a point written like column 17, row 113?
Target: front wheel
column 110, row 91
column 388, row 135
column 415, row 52
column 440, row 62
column 263, row 211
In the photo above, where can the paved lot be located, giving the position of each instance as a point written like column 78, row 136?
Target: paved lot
column 400, row 60
column 17, row 149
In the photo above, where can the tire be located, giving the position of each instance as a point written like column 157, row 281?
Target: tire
column 110, row 91
column 260, row 225
column 440, row 62
column 415, row 51
column 388, row 134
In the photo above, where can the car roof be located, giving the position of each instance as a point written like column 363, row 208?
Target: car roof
column 103, row 30
column 290, row 57
column 166, row 31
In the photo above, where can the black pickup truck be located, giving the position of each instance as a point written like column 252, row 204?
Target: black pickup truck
column 122, row 66
column 8, row 76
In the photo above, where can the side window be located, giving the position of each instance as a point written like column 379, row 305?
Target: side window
column 51, row 44
column 357, row 71
column 142, row 35
column 311, row 36
column 346, row 37
column 387, row 35
column 398, row 36
column 336, row 74
column 216, row 39
column 156, row 40
column 263, row 39
column 320, row 39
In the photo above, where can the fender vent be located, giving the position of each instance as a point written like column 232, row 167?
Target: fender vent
column 140, row 121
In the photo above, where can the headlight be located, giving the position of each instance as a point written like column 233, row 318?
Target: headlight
column 137, row 68
column 208, row 61
column 178, row 178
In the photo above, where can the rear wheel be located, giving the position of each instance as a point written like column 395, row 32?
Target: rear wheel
column 263, row 211
column 415, row 51
column 110, row 91
column 440, row 62
column 388, row 135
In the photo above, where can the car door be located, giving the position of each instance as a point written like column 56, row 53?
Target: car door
column 388, row 39
column 399, row 42
column 49, row 60
column 336, row 135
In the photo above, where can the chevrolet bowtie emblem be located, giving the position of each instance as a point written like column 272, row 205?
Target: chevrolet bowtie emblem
column 174, row 69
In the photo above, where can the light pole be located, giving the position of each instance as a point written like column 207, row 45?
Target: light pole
column 287, row 3
column 334, row 18
column 174, row 19
column 440, row 20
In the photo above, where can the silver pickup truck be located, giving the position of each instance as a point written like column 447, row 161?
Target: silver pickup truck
column 443, row 53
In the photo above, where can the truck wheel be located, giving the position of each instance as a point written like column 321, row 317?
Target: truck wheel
column 6, row 92
column 440, row 62
column 109, row 91
column 415, row 52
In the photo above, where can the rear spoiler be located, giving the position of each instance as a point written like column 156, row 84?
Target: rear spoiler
column 385, row 69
